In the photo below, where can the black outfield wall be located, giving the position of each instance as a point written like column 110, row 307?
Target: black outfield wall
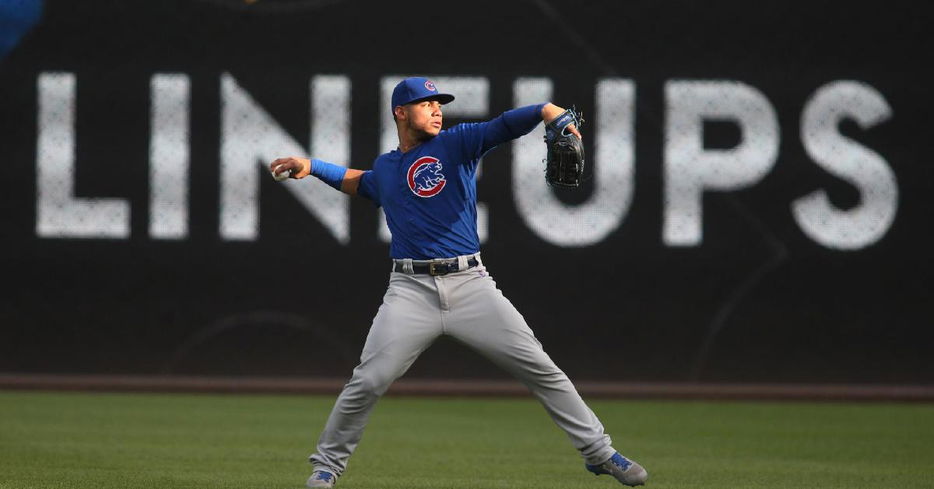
column 759, row 204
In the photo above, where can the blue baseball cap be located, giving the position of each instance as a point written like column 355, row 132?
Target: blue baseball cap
column 416, row 89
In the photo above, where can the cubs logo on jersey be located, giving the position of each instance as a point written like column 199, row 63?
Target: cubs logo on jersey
column 425, row 178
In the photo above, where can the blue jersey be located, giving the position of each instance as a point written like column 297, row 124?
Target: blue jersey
column 429, row 193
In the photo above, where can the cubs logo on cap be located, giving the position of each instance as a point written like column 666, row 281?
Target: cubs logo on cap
column 416, row 89
column 425, row 178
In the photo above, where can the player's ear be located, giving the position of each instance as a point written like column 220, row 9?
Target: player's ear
column 399, row 112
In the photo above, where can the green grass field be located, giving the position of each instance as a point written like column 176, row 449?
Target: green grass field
column 98, row 441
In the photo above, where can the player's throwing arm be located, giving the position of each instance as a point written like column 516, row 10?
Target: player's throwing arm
column 344, row 179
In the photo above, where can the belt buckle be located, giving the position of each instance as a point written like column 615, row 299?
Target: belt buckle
column 437, row 268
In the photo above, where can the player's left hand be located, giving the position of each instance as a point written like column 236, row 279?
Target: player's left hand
column 551, row 111
column 296, row 167
column 564, row 161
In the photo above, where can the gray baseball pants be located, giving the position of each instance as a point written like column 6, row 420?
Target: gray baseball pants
column 416, row 310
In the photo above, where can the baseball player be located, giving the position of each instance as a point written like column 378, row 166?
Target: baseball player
column 438, row 284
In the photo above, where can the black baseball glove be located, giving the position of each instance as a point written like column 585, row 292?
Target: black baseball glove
column 564, row 165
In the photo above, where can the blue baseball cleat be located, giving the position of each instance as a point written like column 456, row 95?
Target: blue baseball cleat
column 624, row 470
column 321, row 478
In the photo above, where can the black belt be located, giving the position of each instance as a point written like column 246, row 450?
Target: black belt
column 436, row 268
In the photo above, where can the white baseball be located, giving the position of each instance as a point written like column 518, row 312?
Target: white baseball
column 280, row 176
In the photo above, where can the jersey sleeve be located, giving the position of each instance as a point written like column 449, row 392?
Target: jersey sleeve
column 480, row 137
column 368, row 187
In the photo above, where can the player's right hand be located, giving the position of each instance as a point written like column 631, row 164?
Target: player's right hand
column 295, row 166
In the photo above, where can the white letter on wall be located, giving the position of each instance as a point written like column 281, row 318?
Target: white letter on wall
column 863, row 168
column 59, row 214
column 169, row 154
column 251, row 138
column 588, row 223
column 690, row 170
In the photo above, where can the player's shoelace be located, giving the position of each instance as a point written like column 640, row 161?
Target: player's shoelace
column 620, row 461
column 324, row 476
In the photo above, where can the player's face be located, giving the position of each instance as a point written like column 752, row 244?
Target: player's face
column 424, row 117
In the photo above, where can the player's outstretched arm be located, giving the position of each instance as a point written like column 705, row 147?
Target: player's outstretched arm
column 346, row 180
column 516, row 123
